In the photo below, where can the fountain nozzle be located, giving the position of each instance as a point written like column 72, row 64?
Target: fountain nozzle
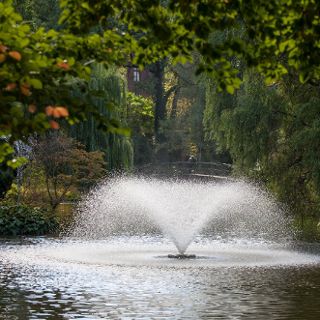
column 181, row 256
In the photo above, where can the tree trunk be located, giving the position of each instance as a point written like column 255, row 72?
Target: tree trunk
column 160, row 102
column 175, row 103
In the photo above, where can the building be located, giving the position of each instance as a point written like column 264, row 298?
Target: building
column 139, row 81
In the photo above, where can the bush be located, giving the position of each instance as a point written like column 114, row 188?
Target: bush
column 307, row 229
column 23, row 220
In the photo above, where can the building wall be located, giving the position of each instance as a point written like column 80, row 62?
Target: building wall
column 139, row 81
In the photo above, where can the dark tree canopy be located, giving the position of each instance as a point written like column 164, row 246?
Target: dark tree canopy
column 38, row 68
column 279, row 35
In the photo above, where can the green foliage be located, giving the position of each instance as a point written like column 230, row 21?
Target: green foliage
column 140, row 106
column 182, row 129
column 177, row 143
column 307, row 228
column 140, row 119
column 23, row 220
column 6, row 179
column 272, row 133
column 66, row 164
column 280, row 35
column 107, row 96
column 120, row 155
column 7, row 158
column 39, row 13
column 242, row 123
column 37, row 70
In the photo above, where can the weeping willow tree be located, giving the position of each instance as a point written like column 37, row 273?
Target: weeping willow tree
column 109, row 98
column 272, row 133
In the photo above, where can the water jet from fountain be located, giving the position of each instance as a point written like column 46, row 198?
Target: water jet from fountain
column 180, row 210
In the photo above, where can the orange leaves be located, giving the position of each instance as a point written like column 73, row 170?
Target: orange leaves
column 2, row 57
column 54, row 124
column 49, row 111
column 63, row 65
column 32, row 108
column 3, row 48
column 10, row 86
column 56, row 112
column 25, row 89
column 62, row 111
column 15, row 55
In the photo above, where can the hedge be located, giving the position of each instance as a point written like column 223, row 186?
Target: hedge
column 21, row 220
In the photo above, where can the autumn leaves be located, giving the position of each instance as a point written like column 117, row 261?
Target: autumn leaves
column 13, row 54
column 24, row 88
column 52, row 112
column 56, row 112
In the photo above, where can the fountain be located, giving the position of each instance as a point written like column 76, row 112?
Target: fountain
column 180, row 210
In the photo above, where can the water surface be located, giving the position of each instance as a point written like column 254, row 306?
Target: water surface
column 72, row 279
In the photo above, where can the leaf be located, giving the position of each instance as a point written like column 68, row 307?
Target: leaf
column 63, row 65
column 25, row 90
column 10, row 86
column 54, row 125
column 17, row 162
column 62, row 111
column 230, row 89
column 123, row 131
column 3, row 48
column 49, row 111
column 15, row 55
column 24, row 42
column 5, row 150
column 36, row 83
column 32, row 108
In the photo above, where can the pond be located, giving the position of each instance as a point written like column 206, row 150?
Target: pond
column 133, row 278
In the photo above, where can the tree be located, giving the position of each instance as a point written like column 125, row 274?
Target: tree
column 109, row 99
column 37, row 71
column 272, row 133
column 7, row 175
column 39, row 13
column 140, row 118
column 182, row 128
column 65, row 164
column 36, row 67
column 280, row 36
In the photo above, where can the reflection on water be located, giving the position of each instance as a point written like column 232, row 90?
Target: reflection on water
column 35, row 287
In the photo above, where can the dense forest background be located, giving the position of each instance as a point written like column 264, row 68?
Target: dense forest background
column 268, row 130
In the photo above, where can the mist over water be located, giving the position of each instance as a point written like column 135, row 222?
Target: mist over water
column 180, row 210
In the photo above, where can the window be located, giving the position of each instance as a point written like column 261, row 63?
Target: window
column 136, row 75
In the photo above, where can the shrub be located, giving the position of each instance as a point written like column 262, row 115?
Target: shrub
column 307, row 229
column 23, row 220
column 66, row 165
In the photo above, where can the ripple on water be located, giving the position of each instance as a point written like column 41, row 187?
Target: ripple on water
column 124, row 278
